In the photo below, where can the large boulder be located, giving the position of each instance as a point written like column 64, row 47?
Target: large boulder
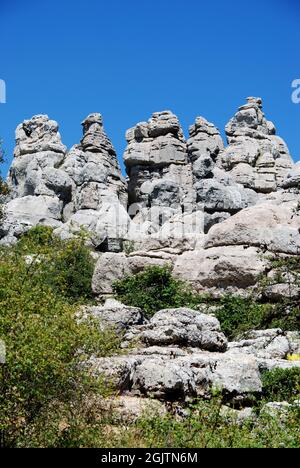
column 268, row 344
column 115, row 315
column 267, row 226
column 220, row 270
column 182, row 327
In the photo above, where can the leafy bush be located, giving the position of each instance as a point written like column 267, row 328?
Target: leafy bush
column 281, row 384
column 206, row 426
column 155, row 289
column 238, row 315
column 67, row 266
column 43, row 384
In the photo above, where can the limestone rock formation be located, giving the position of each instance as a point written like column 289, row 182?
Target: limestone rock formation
column 255, row 157
column 217, row 193
column 99, row 192
column 183, row 327
column 211, row 213
column 160, row 184
column 38, row 187
column 182, row 354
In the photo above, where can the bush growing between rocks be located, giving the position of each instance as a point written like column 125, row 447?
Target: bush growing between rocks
column 238, row 315
column 43, row 384
column 281, row 385
column 206, row 426
column 66, row 266
column 155, row 289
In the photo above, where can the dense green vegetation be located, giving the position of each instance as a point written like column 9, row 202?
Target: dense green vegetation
column 43, row 385
column 207, row 427
column 282, row 385
column 47, row 396
column 155, row 289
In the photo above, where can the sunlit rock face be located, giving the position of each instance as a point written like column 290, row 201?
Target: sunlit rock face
column 255, row 157
column 181, row 195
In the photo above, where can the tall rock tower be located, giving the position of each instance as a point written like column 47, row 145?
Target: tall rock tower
column 256, row 157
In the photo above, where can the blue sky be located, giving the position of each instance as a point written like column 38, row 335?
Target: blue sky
column 127, row 59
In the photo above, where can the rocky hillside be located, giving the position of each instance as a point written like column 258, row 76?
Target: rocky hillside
column 212, row 212
column 224, row 219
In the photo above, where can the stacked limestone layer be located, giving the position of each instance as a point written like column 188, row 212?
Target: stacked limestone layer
column 82, row 188
column 160, row 182
column 39, row 189
column 256, row 157
column 99, row 192
column 216, row 191
column 212, row 213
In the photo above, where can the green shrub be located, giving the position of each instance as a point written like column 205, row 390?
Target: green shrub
column 237, row 315
column 281, row 384
column 155, row 289
column 205, row 426
column 67, row 266
column 44, row 386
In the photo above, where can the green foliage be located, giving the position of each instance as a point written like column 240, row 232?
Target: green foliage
column 281, row 385
column 155, row 289
column 238, row 315
column 43, row 384
column 67, row 267
column 206, row 426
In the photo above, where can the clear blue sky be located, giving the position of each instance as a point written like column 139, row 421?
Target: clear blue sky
column 129, row 58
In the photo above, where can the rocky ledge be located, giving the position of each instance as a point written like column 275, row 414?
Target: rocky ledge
column 181, row 354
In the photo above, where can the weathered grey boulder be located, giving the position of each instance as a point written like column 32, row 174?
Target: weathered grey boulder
column 221, row 270
column 268, row 344
column 174, row 374
column 116, row 315
column 182, row 327
column 268, row 226
column 292, row 179
column 21, row 214
column 294, row 340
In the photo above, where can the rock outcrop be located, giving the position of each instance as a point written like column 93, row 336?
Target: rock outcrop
column 38, row 188
column 255, row 157
column 182, row 354
column 212, row 213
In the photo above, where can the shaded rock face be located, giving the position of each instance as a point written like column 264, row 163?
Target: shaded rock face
column 255, row 157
